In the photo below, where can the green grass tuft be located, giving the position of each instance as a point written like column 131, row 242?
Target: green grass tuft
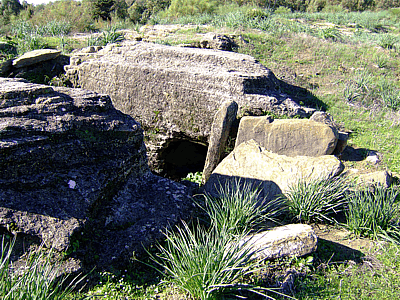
column 38, row 280
column 374, row 213
column 240, row 207
column 316, row 200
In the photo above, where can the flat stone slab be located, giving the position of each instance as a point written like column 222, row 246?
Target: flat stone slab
column 174, row 92
column 252, row 164
column 35, row 56
column 290, row 137
column 289, row 240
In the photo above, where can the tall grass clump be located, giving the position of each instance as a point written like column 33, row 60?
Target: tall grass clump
column 211, row 261
column 207, row 263
column 374, row 212
column 108, row 36
column 240, row 207
column 316, row 199
column 36, row 281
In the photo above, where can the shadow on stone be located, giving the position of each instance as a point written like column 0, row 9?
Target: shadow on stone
column 218, row 183
column 302, row 96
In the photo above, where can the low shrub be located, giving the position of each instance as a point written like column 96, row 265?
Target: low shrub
column 331, row 33
column 179, row 8
column 194, row 177
column 387, row 41
column 109, row 36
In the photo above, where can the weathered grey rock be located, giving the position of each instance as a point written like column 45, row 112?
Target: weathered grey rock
column 215, row 41
column 272, row 173
column 290, row 137
column 5, row 66
column 381, row 178
column 341, row 143
column 174, row 92
column 373, row 157
column 91, row 49
column 220, row 128
column 323, row 117
column 326, row 118
column 283, row 241
column 73, row 168
column 34, row 57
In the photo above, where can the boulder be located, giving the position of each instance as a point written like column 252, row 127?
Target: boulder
column 291, row 137
column 251, row 164
column 220, row 129
column 73, row 171
column 174, row 92
column 283, row 241
column 323, row 117
column 34, row 57
column 381, row 178
column 5, row 66
column 215, row 41
column 326, row 118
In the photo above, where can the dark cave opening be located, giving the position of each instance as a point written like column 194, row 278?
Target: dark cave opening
column 182, row 157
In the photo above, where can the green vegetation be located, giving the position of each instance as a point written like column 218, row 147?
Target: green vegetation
column 317, row 199
column 108, row 36
column 240, row 209
column 37, row 280
column 194, row 177
column 206, row 263
column 374, row 213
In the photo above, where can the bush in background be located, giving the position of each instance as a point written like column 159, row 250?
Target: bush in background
column 141, row 10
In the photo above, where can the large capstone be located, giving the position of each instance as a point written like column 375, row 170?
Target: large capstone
column 174, row 92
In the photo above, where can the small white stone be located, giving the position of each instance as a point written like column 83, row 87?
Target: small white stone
column 72, row 184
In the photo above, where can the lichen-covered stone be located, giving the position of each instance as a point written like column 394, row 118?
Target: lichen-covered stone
column 34, row 57
column 380, row 178
column 289, row 240
column 220, row 129
column 73, row 168
column 291, row 137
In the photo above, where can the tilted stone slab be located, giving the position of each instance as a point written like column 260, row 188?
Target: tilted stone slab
column 220, row 128
column 35, row 56
column 174, row 92
column 249, row 163
column 291, row 137
column 283, row 241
